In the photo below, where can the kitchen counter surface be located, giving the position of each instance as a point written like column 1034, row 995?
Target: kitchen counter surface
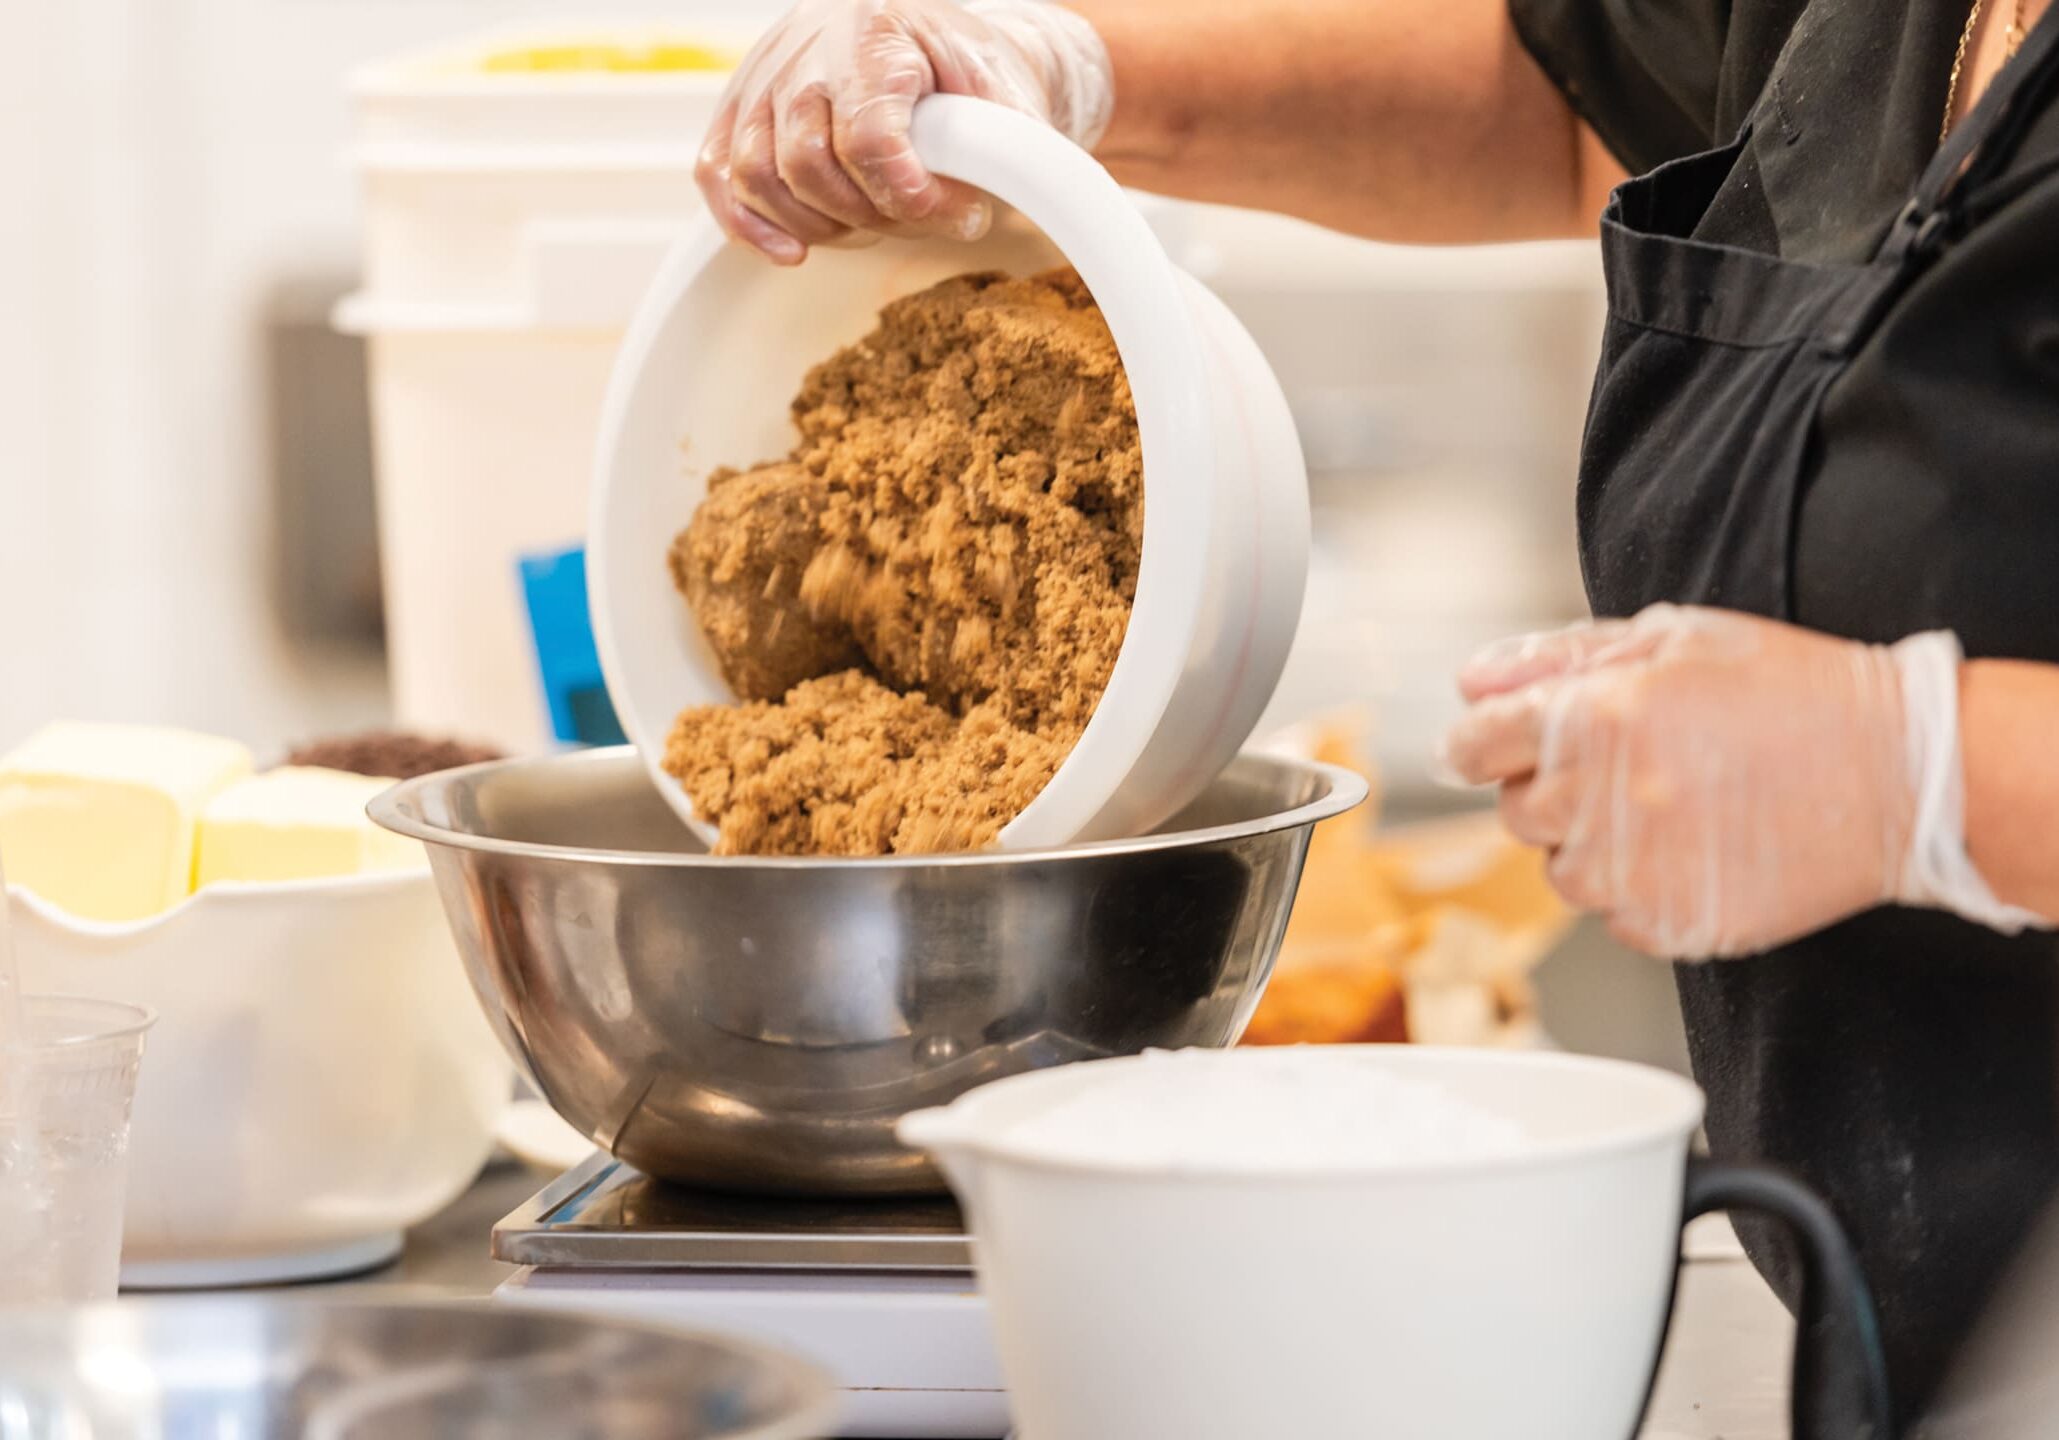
column 448, row 1253
column 1724, row 1375
column 1725, row 1372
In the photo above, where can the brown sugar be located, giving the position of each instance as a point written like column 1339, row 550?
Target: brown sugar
column 921, row 605
column 740, row 563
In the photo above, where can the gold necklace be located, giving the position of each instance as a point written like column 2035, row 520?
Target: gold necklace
column 2017, row 31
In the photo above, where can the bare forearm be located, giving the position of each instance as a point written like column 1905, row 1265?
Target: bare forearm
column 1407, row 120
column 2009, row 738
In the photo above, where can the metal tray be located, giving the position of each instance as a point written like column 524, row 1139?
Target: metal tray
column 602, row 1214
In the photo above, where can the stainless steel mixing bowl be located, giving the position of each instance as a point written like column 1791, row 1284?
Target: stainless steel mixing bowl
column 760, row 1024
column 274, row 1368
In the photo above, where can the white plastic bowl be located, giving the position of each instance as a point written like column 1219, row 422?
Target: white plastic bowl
column 720, row 346
column 1513, row 1288
column 320, row 1077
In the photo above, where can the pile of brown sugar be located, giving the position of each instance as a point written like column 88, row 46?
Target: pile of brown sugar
column 920, row 606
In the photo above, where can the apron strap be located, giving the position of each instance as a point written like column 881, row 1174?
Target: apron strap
column 1981, row 146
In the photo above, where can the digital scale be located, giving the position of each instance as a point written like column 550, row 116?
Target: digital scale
column 880, row 1293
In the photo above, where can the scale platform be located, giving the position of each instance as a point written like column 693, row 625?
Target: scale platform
column 878, row 1292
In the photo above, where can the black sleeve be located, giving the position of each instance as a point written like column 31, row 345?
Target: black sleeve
column 1645, row 74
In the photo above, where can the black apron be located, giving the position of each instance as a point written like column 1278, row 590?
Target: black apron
column 1903, row 1062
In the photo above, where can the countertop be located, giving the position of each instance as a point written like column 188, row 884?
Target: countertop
column 1724, row 1376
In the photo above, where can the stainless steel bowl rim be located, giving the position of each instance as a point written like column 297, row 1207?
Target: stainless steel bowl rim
column 406, row 1298
column 816, row 1402
column 1347, row 789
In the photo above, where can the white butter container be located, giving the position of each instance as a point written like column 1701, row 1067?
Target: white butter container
column 320, row 1076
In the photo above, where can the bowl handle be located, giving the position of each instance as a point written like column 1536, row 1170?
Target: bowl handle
column 1839, row 1389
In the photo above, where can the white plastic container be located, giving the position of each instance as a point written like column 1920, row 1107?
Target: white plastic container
column 511, row 221
column 723, row 340
column 476, row 179
column 482, row 444
column 1519, row 1292
column 320, row 1077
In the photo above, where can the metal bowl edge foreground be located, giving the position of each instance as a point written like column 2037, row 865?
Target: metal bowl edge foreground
column 759, row 1025
column 284, row 1368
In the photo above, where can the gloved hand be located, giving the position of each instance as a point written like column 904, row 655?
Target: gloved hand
column 810, row 143
column 1716, row 784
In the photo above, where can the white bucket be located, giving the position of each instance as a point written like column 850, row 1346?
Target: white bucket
column 724, row 339
column 482, row 442
column 511, row 222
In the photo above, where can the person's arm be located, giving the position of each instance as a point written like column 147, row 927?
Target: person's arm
column 2009, row 731
column 1415, row 120
column 1407, row 120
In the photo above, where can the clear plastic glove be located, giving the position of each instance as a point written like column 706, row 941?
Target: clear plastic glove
column 1716, row 784
column 810, row 145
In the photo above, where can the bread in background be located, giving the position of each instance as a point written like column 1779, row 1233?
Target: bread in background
column 1424, row 933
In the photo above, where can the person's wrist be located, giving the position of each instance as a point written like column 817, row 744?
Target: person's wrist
column 1978, row 805
column 1994, row 786
column 1941, row 870
column 1066, row 51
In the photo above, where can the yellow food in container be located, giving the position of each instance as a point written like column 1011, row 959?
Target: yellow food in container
column 115, row 824
column 100, row 819
column 662, row 57
column 297, row 823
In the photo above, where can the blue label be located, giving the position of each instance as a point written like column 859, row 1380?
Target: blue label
column 570, row 667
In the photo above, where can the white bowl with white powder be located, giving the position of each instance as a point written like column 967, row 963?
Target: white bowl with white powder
column 1263, row 1112
column 1379, row 1240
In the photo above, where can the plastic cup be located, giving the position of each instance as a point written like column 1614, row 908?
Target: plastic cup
column 66, row 1086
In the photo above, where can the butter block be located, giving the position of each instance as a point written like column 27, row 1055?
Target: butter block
column 99, row 819
column 297, row 823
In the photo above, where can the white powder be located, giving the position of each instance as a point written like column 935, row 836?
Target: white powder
column 1298, row 1110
